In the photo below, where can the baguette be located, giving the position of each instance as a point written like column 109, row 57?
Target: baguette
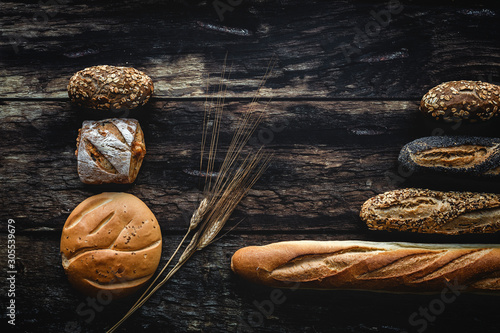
column 427, row 211
column 458, row 155
column 374, row 266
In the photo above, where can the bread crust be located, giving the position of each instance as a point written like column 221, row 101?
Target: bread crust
column 457, row 155
column 107, row 87
column 462, row 100
column 110, row 151
column 112, row 243
column 375, row 266
column 427, row 211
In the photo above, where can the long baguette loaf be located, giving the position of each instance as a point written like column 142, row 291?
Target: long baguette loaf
column 427, row 211
column 376, row 266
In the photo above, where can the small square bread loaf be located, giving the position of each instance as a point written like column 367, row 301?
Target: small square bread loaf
column 110, row 151
column 110, row 245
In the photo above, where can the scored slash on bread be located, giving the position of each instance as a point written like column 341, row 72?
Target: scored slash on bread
column 110, row 151
column 110, row 242
column 427, row 211
column 462, row 100
column 459, row 155
column 375, row 266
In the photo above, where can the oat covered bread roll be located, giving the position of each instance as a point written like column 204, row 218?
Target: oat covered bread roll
column 427, row 211
column 374, row 266
column 110, row 88
column 111, row 243
column 110, row 151
column 462, row 100
column 458, row 155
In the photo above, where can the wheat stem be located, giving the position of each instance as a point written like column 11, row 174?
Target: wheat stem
column 230, row 187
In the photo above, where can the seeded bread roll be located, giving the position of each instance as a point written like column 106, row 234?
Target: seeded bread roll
column 110, row 88
column 472, row 156
column 375, row 266
column 110, row 245
column 462, row 100
column 426, row 211
column 110, row 151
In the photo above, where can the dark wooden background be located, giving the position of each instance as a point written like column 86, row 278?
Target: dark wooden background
column 345, row 100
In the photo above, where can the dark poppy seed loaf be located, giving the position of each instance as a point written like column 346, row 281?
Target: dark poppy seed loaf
column 457, row 155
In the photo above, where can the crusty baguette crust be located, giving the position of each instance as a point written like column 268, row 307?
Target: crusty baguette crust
column 427, row 211
column 110, row 242
column 375, row 266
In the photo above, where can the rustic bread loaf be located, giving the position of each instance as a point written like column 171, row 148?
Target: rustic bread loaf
column 110, row 88
column 462, row 100
column 475, row 156
column 111, row 242
column 427, row 211
column 376, row 266
column 110, row 151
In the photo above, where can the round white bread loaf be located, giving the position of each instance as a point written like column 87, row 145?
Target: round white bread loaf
column 110, row 243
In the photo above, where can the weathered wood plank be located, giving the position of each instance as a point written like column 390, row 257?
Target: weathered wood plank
column 325, row 49
column 205, row 296
column 329, row 158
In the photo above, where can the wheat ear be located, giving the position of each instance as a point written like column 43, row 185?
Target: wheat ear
column 222, row 197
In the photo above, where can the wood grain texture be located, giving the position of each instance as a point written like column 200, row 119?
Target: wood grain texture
column 205, row 296
column 324, row 49
column 343, row 106
column 329, row 158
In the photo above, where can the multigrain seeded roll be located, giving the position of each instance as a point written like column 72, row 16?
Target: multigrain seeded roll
column 458, row 155
column 110, row 88
column 427, row 211
column 462, row 100
column 110, row 151
column 110, row 245
column 373, row 266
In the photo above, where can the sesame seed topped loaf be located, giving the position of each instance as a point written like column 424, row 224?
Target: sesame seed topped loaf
column 462, row 100
column 110, row 88
column 427, row 211
column 110, row 151
column 459, row 155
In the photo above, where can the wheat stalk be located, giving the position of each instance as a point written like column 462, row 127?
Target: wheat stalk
column 234, row 179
